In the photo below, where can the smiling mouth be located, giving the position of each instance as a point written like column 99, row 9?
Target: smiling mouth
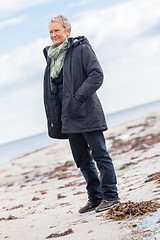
column 55, row 39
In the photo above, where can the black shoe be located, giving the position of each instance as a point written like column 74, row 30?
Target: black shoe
column 90, row 206
column 105, row 205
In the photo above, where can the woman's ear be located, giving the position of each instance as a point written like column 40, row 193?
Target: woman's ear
column 68, row 31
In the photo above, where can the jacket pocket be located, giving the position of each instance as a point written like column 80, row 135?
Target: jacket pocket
column 77, row 109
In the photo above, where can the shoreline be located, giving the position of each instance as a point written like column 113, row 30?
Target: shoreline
column 43, row 190
column 41, row 140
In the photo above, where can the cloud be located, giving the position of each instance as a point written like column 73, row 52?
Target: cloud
column 22, row 65
column 22, row 113
column 80, row 3
column 129, row 56
column 154, row 30
column 7, row 6
column 21, row 91
column 12, row 21
column 125, row 21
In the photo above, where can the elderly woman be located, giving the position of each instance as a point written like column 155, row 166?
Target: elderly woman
column 72, row 77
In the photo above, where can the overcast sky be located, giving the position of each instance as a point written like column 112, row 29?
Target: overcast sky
column 124, row 34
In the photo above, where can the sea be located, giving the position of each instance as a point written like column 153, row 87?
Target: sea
column 21, row 147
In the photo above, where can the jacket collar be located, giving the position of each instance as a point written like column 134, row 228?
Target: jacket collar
column 71, row 42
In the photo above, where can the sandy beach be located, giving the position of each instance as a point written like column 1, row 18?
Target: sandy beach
column 42, row 192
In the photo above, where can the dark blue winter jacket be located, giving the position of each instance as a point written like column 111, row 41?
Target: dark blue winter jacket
column 82, row 76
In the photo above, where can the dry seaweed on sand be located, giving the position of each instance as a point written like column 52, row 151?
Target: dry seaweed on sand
column 128, row 209
column 153, row 177
column 10, row 217
column 136, row 143
column 60, row 171
column 59, row 196
column 15, row 207
column 57, row 235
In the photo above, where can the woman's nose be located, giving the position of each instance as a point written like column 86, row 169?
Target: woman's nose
column 53, row 34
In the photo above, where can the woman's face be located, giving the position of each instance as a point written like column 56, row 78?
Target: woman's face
column 58, row 33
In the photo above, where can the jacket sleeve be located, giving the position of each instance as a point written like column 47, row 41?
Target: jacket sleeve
column 93, row 72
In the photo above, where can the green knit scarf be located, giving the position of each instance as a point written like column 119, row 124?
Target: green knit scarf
column 57, row 53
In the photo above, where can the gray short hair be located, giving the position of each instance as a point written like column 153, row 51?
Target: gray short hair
column 61, row 19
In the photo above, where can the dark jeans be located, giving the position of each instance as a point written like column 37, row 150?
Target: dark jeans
column 86, row 147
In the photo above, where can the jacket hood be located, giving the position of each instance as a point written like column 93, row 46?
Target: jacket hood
column 77, row 40
column 45, row 50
